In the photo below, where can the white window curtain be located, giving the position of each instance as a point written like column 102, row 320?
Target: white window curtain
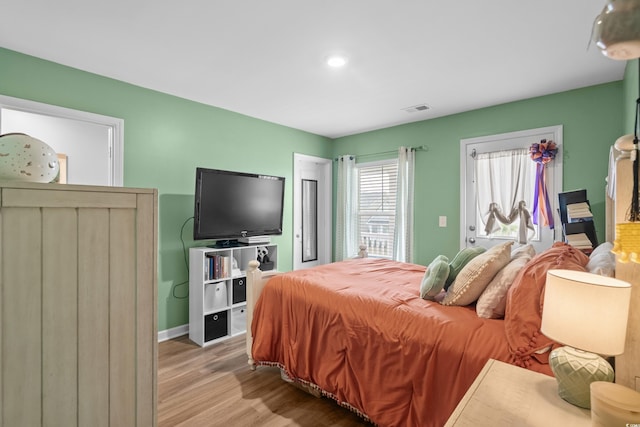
column 403, row 236
column 346, row 208
column 503, row 185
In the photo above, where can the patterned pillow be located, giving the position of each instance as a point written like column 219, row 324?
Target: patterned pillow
column 525, row 298
column 493, row 300
column 458, row 262
column 476, row 275
column 434, row 277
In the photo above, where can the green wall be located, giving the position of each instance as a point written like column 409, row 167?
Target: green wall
column 591, row 117
column 165, row 139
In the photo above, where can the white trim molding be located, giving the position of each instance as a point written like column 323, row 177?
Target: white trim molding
column 115, row 125
column 172, row 333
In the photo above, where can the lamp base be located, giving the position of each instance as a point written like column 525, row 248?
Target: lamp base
column 575, row 370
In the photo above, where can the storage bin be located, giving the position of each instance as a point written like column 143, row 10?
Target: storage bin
column 216, row 325
column 238, row 320
column 215, row 296
column 239, row 290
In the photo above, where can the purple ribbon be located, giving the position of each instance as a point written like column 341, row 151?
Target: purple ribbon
column 541, row 205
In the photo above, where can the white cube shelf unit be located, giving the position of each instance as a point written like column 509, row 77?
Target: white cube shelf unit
column 217, row 291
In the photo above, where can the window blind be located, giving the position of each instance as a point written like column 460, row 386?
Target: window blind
column 377, row 187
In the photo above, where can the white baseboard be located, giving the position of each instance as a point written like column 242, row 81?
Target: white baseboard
column 176, row 332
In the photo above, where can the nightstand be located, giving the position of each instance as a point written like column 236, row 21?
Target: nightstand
column 506, row 395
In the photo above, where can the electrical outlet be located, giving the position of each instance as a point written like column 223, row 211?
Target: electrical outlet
column 442, row 221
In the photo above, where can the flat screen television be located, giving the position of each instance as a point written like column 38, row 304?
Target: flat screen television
column 235, row 205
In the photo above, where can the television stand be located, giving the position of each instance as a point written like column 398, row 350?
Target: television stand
column 218, row 291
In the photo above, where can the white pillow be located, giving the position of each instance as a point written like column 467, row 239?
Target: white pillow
column 602, row 261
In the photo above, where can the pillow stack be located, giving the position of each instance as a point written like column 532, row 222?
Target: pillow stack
column 441, row 273
column 476, row 275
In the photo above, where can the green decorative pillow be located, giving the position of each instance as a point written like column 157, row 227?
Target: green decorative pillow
column 434, row 277
column 458, row 262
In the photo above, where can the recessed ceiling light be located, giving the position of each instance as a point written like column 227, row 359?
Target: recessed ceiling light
column 336, row 61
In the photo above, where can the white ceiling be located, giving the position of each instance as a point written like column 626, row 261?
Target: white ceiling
column 265, row 58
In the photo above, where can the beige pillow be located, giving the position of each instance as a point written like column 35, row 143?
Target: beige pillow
column 493, row 299
column 527, row 251
column 476, row 275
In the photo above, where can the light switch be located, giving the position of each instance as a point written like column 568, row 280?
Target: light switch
column 442, row 221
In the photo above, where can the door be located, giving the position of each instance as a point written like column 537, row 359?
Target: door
column 473, row 217
column 312, row 184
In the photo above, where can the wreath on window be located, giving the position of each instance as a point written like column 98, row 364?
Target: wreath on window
column 542, row 153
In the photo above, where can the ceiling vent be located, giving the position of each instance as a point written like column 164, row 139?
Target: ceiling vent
column 416, row 108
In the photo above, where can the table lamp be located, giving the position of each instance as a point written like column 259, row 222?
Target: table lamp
column 588, row 314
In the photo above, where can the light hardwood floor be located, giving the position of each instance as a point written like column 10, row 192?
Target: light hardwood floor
column 214, row 386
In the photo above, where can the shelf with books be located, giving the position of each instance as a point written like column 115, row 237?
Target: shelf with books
column 578, row 228
column 217, row 291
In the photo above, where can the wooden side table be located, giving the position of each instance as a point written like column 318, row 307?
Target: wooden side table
column 506, row 395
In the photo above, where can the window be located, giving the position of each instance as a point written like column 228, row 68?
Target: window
column 505, row 178
column 376, row 206
column 505, row 155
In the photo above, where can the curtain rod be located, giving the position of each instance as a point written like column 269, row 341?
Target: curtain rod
column 417, row 148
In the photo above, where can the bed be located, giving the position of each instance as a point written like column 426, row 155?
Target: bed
column 411, row 360
column 359, row 332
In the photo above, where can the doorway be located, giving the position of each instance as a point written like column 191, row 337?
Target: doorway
column 473, row 216
column 312, row 184
column 92, row 144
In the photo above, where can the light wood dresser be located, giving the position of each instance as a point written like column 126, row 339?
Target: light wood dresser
column 504, row 395
column 78, row 305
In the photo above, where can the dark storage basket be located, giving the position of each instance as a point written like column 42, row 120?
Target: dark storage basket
column 239, row 290
column 215, row 325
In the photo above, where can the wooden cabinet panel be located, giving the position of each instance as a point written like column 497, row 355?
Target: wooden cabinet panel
column 21, row 357
column 93, row 317
column 59, row 316
column 78, row 305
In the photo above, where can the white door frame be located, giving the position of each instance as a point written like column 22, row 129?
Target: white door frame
column 324, row 168
column 115, row 125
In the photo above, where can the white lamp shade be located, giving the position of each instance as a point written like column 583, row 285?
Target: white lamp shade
column 586, row 311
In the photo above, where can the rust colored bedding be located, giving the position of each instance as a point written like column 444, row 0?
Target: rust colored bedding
column 359, row 331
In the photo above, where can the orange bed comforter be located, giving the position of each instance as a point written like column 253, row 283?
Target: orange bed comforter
column 359, row 331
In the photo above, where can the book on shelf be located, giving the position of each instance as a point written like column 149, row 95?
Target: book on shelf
column 578, row 212
column 217, row 266
column 568, row 198
column 579, row 241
